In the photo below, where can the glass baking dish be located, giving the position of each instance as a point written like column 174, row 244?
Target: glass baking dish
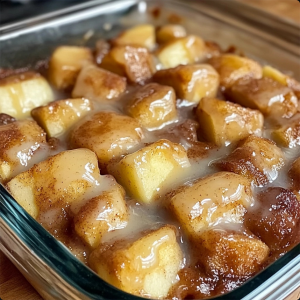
column 45, row 262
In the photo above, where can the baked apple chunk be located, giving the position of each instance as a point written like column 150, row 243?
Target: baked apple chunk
column 146, row 266
column 101, row 214
column 65, row 178
column 256, row 158
column 233, row 67
column 288, row 134
column 275, row 218
column 219, row 198
column 59, row 116
column 294, row 174
column 231, row 252
column 191, row 82
column 20, row 144
column 153, row 105
column 222, row 122
column 284, row 79
column 182, row 51
column 169, row 32
column 66, row 63
column 267, row 95
column 98, row 84
column 136, row 63
column 22, row 92
column 140, row 35
column 109, row 134
column 143, row 173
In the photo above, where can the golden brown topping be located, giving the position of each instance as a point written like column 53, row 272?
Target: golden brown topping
column 223, row 122
column 191, row 82
column 109, row 135
column 232, row 67
column 98, row 84
column 267, row 95
column 136, row 63
column 144, row 266
column 153, row 105
column 255, row 158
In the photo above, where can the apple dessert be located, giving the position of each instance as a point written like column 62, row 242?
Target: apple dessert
column 170, row 167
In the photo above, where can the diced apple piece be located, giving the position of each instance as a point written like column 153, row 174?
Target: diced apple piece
column 219, row 198
column 213, row 49
column 169, row 32
column 286, row 80
column 144, row 172
column 146, row 267
column 66, row 63
column 65, row 178
column 274, row 74
column 57, row 117
column 102, row 214
column 140, row 35
column 153, row 105
column 288, row 134
column 294, row 174
column 191, row 82
column 22, row 92
column 233, row 67
column 256, row 158
column 20, row 141
column 275, row 218
column 233, row 253
column 98, row 84
column 109, row 135
column 136, row 63
column 223, row 122
column 265, row 94
column 182, row 51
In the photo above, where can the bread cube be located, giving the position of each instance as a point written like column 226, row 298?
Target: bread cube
column 136, row 63
column 153, row 105
column 20, row 144
column 61, row 179
column 22, row 92
column 265, row 94
column 98, row 84
column 219, row 198
column 181, row 51
column 110, row 135
column 146, row 266
column 143, row 173
column 140, row 35
column 222, row 122
column 59, row 116
column 294, row 175
column 231, row 253
column 191, row 82
column 100, row 215
column 66, row 63
column 275, row 218
column 169, row 32
column 233, row 67
column 256, row 158
column 288, row 134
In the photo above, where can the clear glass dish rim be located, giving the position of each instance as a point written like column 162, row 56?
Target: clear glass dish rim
column 88, row 283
